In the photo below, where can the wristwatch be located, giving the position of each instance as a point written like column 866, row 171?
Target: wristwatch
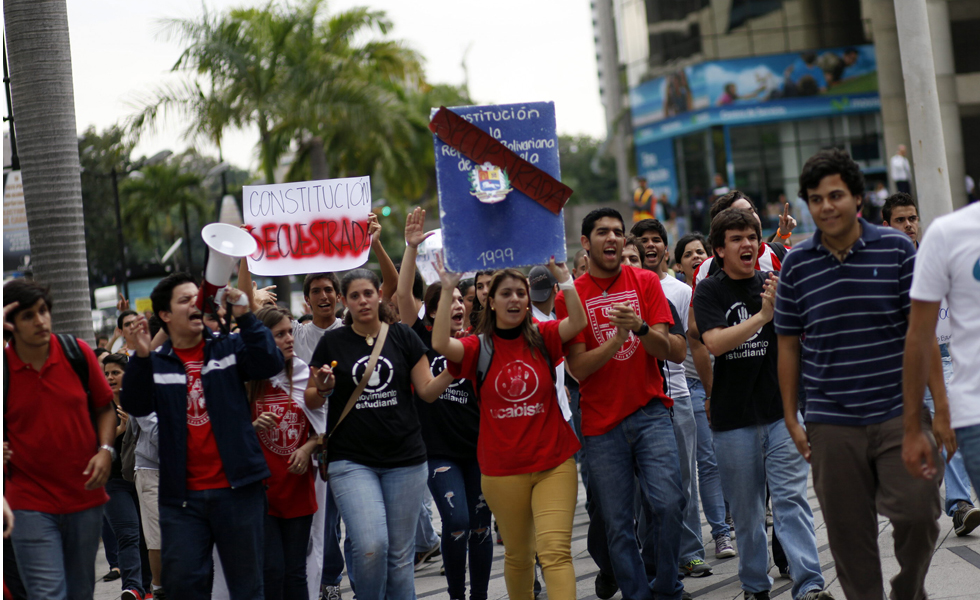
column 112, row 450
column 643, row 330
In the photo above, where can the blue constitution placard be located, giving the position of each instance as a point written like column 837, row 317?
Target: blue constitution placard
column 485, row 226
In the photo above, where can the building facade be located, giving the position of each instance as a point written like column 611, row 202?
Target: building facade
column 749, row 89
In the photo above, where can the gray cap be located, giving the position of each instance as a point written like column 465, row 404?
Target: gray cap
column 542, row 282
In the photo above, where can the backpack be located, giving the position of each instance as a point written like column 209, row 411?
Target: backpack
column 485, row 358
column 76, row 358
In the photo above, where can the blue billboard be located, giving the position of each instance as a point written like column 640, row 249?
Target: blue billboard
column 756, row 89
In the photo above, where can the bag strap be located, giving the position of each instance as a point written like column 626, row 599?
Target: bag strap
column 372, row 362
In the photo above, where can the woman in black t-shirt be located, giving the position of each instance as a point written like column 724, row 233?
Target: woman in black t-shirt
column 377, row 461
column 450, row 427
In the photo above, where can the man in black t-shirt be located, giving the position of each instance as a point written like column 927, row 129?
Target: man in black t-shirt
column 734, row 310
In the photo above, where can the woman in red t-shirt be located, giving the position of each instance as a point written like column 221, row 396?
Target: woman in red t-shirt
column 526, row 447
column 287, row 439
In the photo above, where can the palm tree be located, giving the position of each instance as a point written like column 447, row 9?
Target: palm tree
column 159, row 197
column 44, row 108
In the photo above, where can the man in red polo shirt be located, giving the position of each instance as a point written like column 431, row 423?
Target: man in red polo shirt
column 58, row 464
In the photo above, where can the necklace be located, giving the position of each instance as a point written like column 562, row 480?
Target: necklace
column 368, row 337
column 605, row 292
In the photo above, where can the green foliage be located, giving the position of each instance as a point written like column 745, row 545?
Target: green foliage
column 587, row 169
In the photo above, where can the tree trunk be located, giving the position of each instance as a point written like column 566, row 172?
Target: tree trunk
column 318, row 160
column 44, row 111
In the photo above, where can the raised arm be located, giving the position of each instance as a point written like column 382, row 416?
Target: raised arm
column 575, row 322
column 389, row 274
column 414, row 236
column 442, row 341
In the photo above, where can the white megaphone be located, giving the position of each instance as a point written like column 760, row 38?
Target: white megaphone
column 227, row 244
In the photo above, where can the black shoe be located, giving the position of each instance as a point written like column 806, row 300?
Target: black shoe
column 605, row 585
column 686, row 595
column 966, row 518
column 112, row 575
column 422, row 557
column 756, row 596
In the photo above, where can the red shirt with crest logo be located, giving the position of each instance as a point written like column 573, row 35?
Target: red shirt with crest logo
column 521, row 426
column 204, row 468
column 631, row 378
column 289, row 495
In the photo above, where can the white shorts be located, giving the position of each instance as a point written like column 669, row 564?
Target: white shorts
column 147, row 488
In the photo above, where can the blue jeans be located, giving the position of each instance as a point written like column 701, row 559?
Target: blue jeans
column 123, row 516
column 642, row 443
column 686, row 432
column 285, row 557
column 56, row 553
column 455, row 487
column 956, row 479
column 232, row 519
column 968, row 446
column 380, row 507
column 748, row 458
column 425, row 533
column 333, row 556
column 709, row 481
column 109, row 544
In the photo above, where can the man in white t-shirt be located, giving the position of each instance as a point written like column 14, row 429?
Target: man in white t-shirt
column 651, row 235
column 320, row 290
column 900, row 170
column 947, row 266
column 900, row 213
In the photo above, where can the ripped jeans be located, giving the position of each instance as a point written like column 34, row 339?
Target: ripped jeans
column 455, row 487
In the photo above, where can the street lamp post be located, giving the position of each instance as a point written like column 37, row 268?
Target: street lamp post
column 119, row 234
column 123, row 262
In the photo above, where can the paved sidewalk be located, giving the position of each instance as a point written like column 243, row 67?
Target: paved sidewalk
column 954, row 573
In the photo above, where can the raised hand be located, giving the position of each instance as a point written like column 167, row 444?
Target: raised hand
column 786, row 222
column 374, row 225
column 559, row 270
column 448, row 279
column 7, row 325
column 415, row 228
column 769, row 298
column 324, row 377
column 140, row 334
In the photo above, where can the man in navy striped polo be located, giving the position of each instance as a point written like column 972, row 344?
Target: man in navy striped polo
column 846, row 291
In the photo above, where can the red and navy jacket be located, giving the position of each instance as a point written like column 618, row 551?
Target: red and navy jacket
column 159, row 383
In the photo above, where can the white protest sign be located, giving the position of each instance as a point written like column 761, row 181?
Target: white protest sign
column 308, row 226
column 425, row 260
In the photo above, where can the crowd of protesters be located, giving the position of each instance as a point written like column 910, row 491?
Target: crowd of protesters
column 223, row 449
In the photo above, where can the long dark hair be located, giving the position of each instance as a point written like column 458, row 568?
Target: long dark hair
column 384, row 312
column 488, row 318
column 270, row 317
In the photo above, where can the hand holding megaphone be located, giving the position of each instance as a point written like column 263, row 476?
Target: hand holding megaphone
column 227, row 243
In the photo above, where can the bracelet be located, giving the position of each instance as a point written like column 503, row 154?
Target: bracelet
column 566, row 285
column 779, row 234
column 326, row 394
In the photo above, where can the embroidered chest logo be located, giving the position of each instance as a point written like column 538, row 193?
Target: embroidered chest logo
column 284, row 438
column 376, row 393
column 197, row 410
column 516, row 382
column 598, row 308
